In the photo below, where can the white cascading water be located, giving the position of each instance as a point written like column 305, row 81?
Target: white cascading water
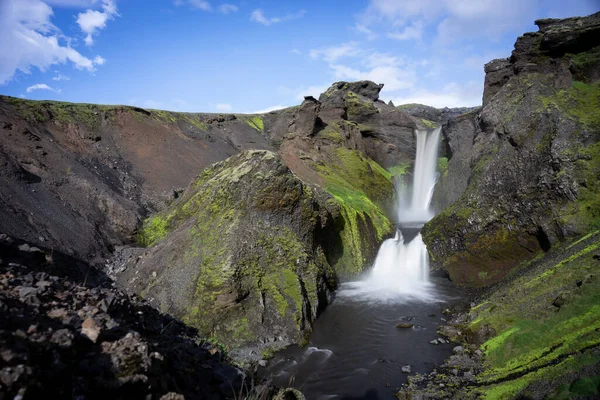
column 401, row 270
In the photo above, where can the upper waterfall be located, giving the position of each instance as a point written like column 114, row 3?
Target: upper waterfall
column 424, row 179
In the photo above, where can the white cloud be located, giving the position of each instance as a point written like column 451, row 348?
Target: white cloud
column 223, row 107
column 314, row 91
column 91, row 21
column 455, row 20
column 296, row 51
column 394, row 78
column 41, row 86
column 332, row 54
column 72, row 3
column 200, row 4
column 258, row 15
column 60, row 77
column 227, row 8
column 413, row 31
column 268, row 109
column 370, row 35
column 451, row 95
column 98, row 60
column 28, row 39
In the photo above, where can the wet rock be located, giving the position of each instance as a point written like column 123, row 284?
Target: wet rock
column 434, row 341
column 404, row 325
column 406, row 369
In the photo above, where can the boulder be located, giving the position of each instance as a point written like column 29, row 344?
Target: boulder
column 243, row 255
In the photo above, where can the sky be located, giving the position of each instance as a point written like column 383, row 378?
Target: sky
column 256, row 56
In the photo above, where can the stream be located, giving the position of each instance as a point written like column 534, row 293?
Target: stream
column 357, row 352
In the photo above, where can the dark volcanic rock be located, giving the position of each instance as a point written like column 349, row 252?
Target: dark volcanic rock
column 528, row 162
column 46, row 350
column 438, row 115
column 244, row 254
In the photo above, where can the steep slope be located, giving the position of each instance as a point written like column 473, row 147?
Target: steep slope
column 528, row 161
column 79, row 177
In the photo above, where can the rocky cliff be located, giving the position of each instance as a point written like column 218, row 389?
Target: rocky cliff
column 266, row 236
column 523, row 170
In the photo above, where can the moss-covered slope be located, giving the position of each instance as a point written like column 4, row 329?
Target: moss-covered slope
column 541, row 330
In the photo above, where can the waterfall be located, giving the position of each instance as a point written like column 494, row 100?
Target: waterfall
column 402, row 264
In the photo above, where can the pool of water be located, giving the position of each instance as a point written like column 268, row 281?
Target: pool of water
column 357, row 352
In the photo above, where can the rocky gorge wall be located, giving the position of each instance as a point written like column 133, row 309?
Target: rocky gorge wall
column 523, row 172
column 86, row 180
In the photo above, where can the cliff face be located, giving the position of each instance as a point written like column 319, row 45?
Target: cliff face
column 85, row 180
column 528, row 162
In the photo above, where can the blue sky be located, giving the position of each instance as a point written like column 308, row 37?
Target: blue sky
column 251, row 56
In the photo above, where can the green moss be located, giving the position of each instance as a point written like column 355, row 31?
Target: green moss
column 88, row 116
column 587, row 59
column 400, row 169
column 196, row 121
column 409, row 106
column 581, row 102
column 584, row 213
column 429, row 124
column 257, row 123
column 153, row 230
column 442, row 166
column 355, row 107
column 534, row 339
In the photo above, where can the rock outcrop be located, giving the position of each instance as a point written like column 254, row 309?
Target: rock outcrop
column 431, row 114
column 244, row 255
column 528, row 161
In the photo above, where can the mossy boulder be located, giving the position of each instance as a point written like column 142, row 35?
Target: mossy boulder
column 243, row 255
column 527, row 164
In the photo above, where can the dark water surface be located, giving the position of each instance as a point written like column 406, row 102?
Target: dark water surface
column 357, row 352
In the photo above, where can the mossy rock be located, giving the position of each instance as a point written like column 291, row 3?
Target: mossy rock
column 242, row 255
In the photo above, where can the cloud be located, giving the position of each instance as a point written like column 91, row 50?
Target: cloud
column 91, row 21
column 295, row 51
column 453, row 20
column 370, row 35
column 200, row 4
column 28, row 39
column 451, row 95
column 41, row 86
column 259, row 16
column 314, row 91
column 413, row 31
column 72, row 3
column 99, row 60
column 223, row 107
column 60, row 77
column 332, row 54
column 227, row 8
column 268, row 109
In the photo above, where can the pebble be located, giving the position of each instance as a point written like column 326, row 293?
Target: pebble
column 406, row 369
column 434, row 341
